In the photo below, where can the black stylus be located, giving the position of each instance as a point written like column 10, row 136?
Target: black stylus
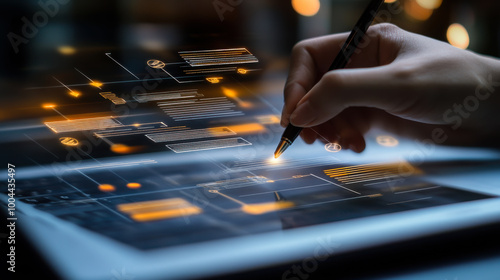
column 351, row 44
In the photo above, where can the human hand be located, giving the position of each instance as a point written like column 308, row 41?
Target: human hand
column 405, row 83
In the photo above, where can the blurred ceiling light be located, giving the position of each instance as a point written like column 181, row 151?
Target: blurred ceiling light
column 430, row 4
column 66, row 50
column 458, row 36
column 390, row 1
column 414, row 10
column 306, row 8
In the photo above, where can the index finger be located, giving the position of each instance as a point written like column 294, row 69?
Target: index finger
column 311, row 59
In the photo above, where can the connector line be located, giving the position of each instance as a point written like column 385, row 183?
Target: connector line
column 183, row 82
column 70, row 90
column 109, row 55
column 106, row 83
column 258, row 208
column 329, row 182
column 57, row 111
column 87, row 77
column 40, row 145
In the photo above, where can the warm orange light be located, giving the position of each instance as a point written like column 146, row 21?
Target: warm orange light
column 74, row 93
column 269, row 119
column 389, row 1
column 430, row 4
column 96, row 84
column 262, row 208
column 68, row 141
column 214, row 80
column 458, row 36
column 231, row 93
column 273, row 161
column 242, row 71
column 48, row 106
column 166, row 214
column 247, row 128
column 133, row 185
column 66, row 50
column 169, row 208
column 124, row 149
column 413, row 9
column 306, row 7
column 106, row 188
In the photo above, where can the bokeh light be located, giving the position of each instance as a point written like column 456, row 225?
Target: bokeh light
column 416, row 11
column 133, row 185
column 458, row 36
column 430, row 4
column 106, row 188
column 66, row 50
column 306, row 8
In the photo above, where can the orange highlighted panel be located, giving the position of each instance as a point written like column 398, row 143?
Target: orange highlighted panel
column 263, row 208
column 247, row 128
column 166, row 214
column 369, row 172
column 133, row 185
column 106, row 188
column 124, row 149
column 159, row 209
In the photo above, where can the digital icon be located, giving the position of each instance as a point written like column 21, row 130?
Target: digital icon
column 387, row 141
column 333, row 147
column 214, row 80
column 68, row 141
column 155, row 63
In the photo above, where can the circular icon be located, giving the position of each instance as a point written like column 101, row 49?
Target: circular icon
column 155, row 63
column 387, row 141
column 333, row 147
column 214, row 80
column 68, row 141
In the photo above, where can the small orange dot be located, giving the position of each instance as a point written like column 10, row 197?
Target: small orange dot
column 133, row 185
column 106, row 188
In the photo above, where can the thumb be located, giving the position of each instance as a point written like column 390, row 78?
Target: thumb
column 375, row 87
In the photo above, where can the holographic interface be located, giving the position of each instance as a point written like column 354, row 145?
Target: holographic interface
column 180, row 152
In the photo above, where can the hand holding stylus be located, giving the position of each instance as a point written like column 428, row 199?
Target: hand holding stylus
column 405, row 83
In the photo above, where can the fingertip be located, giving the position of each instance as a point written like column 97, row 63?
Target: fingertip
column 308, row 136
column 303, row 115
column 358, row 145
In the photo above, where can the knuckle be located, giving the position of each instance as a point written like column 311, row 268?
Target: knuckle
column 406, row 71
column 385, row 29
